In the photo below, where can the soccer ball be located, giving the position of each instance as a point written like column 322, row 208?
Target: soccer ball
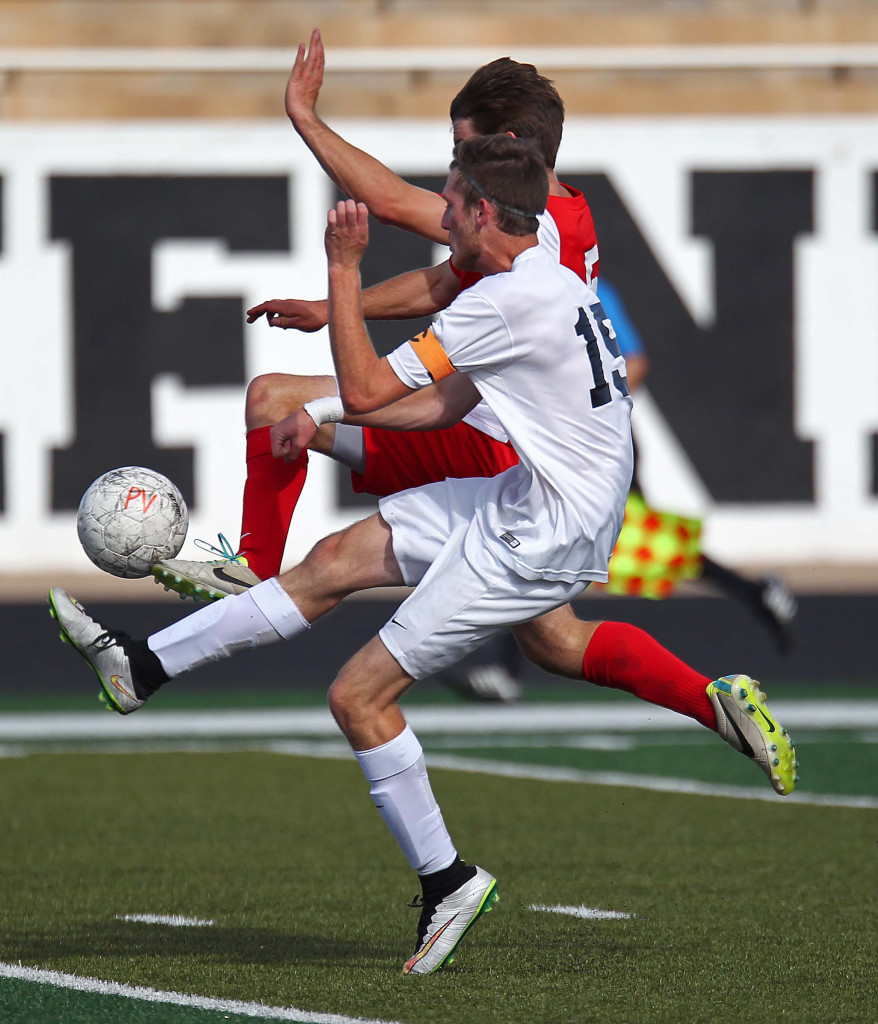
column 129, row 519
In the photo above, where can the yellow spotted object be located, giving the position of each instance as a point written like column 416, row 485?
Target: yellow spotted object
column 655, row 551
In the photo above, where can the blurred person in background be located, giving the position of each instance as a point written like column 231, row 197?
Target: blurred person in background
column 765, row 596
column 656, row 551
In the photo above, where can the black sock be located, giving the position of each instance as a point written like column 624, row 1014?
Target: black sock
column 146, row 670
column 733, row 583
column 440, row 883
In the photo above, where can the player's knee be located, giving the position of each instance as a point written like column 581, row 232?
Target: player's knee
column 265, row 398
column 346, row 703
column 325, row 566
column 272, row 396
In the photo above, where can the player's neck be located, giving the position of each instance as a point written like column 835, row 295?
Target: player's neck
column 499, row 257
column 556, row 188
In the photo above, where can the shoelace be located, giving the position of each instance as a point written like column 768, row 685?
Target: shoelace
column 417, row 902
column 226, row 552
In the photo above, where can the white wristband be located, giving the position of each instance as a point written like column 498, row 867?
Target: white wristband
column 325, row 410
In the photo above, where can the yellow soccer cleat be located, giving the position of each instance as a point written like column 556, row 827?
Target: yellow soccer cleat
column 745, row 723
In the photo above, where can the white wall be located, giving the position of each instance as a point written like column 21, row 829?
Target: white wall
column 648, row 162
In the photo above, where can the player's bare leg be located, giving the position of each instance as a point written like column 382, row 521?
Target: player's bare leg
column 556, row 641
column 363, row 700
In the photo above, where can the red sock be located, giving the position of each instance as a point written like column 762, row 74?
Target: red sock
column 624, row 657
column 270, row 496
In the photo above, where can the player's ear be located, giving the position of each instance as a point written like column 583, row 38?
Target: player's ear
column 483, row 212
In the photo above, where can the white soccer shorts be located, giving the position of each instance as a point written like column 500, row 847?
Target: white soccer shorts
column 463, row 593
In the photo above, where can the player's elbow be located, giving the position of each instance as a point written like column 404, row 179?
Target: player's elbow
column 444, row 418
column 386, row 209
column 359, row 400
column 404, row 211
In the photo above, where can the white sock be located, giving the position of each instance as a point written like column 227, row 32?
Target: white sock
column 402, row 793
column 349, row 447
column 263, row 615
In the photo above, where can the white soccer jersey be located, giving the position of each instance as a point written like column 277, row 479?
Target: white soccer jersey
column 565, row 231
column 545, row 361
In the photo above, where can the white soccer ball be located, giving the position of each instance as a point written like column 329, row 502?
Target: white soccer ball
column 129, row 519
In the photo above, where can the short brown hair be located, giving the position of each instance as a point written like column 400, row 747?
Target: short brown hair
column 509, row 173
column 505, row 96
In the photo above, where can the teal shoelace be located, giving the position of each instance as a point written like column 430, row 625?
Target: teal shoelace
column 225, row 551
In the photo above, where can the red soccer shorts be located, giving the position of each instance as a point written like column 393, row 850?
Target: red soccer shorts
column 399, row 459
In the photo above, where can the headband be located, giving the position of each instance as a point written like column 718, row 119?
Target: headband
column 495, row 202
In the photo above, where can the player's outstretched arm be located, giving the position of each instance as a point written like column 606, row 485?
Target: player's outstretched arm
column 416, row 293
column 359, row 175
column 365, row 381
column 413, row 294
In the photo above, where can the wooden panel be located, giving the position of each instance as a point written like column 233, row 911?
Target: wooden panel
column 280, row 23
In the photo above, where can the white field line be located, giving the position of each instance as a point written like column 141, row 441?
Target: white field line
column 151, row 995
column 338, row 750
column 546, row 773
column 466, row 719
column 586, row 912
column 174, row 920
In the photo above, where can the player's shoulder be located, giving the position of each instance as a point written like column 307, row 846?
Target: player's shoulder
column 534, row 277
column 570, row 213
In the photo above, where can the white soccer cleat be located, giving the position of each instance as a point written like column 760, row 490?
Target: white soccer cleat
column 491, row 682
column 103, row 649
column 778, row 608
column 207, row 581
column 745, row 723
column 443, row 924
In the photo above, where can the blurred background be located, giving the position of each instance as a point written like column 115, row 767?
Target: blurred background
column 151, row 189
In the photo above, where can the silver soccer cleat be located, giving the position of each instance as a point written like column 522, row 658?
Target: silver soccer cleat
column 207, row 581
column 444, row 924
column 103, row 649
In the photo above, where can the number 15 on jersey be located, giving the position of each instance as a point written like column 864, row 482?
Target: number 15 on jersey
column 593, row 324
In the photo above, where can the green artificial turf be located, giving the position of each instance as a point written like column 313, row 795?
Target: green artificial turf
column 745, row 911
column 832, row 762
column 181, row 695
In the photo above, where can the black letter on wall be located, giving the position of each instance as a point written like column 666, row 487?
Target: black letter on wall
column 120, row 342
column 726, row 390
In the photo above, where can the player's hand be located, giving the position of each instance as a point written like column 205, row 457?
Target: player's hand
column 300, row 314
column 292, row 435
column 347, row 233
column 303, row 85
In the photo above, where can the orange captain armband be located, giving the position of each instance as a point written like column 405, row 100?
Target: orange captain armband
column 432, row 355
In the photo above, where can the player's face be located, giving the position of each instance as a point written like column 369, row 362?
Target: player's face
column 460, row 225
